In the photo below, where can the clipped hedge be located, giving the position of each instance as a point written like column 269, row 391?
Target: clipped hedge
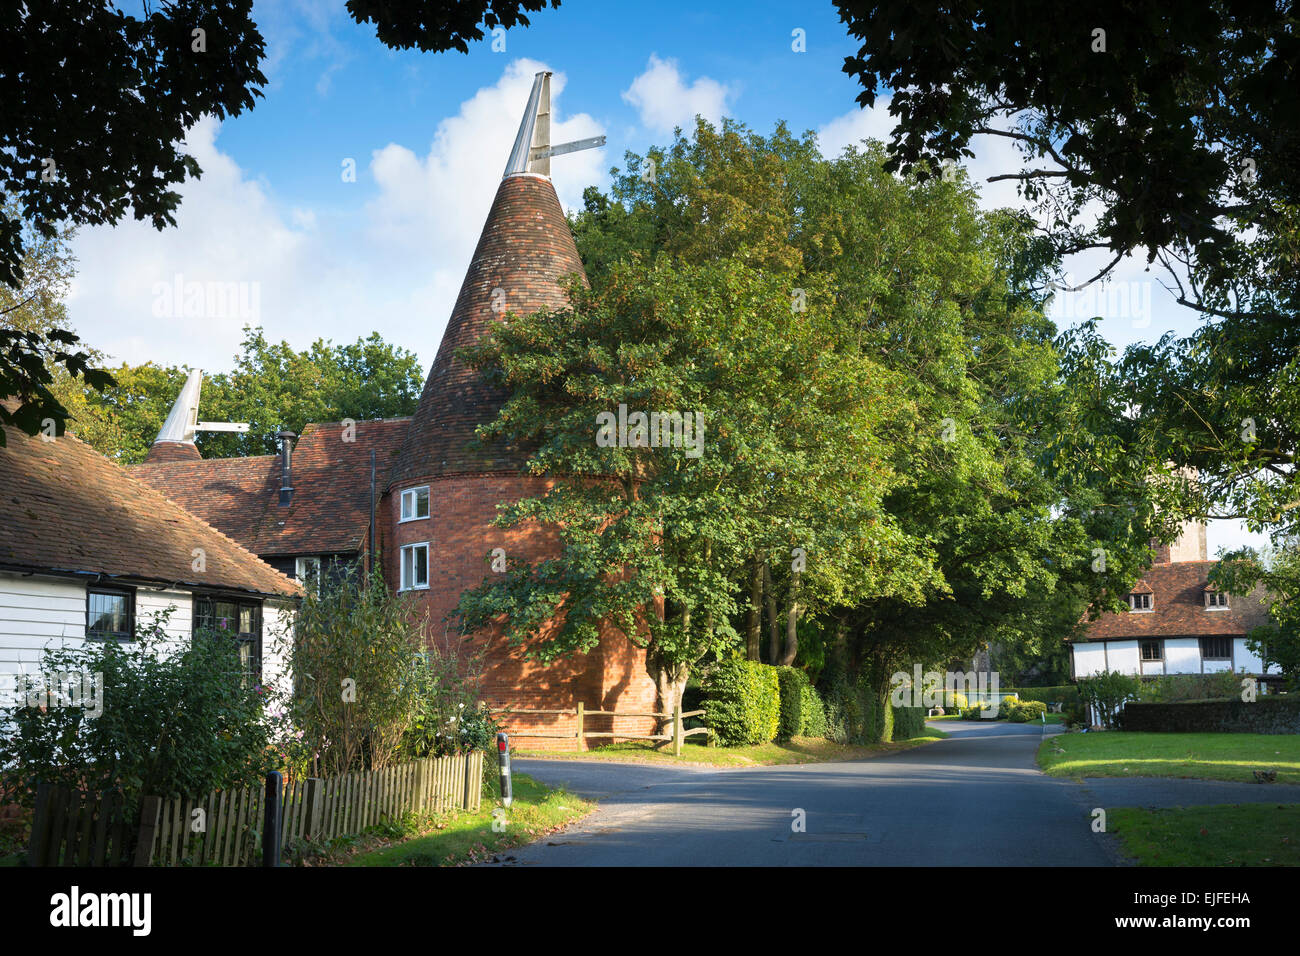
column 792, row 683
column 1023, row 711
column 814, row 713
column 908, row 722
column 1265, row 715
column 743, row 701
column 1067, row 694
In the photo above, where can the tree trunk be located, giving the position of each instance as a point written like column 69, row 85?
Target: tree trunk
column 774, row 631
column 754, row 619
column 670, row 681
column 792, row 619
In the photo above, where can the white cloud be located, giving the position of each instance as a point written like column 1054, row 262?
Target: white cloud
column 853, row 127
column 665, row 101
column 393, row 265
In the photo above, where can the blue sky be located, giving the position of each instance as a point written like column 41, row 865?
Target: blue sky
column 315, row 256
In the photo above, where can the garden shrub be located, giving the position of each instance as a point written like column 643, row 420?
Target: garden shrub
column 356, row 633
column 1171, row 688
column 792, row 683
column 908, row 722
column 1027, row 710
column 743, row 701
column 175, row 720
column 814, row 713
column 1108, row 691
column 1065, row 694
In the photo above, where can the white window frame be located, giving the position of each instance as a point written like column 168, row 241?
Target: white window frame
column 1210, row 604
column 407, row 585
column 302, row 566
column 1133, row 603
column 414, row 498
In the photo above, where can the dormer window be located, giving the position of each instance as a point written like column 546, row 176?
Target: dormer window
column 1139, row 602
column 1216, row 600
column 415, row 503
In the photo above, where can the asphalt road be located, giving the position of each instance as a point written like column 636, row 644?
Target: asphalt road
column 974, row 799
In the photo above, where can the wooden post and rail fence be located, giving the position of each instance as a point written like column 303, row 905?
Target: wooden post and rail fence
column 81, row 828
column 581, row 734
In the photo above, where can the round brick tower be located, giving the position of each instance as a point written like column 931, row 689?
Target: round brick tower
column 524, row 255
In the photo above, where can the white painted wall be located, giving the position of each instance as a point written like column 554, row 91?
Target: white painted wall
column 39, row 612
column 1089, row 659
column 1123, row 656
column 1183, row 656
column 35, row 612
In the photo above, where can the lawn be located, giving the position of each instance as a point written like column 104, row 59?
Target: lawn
column 469, row 837
column 1252, row 834
column 1206, row 756
column 797, row 750
column 1051, row 719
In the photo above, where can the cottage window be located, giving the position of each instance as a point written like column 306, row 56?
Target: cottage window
column 307, row 571
column 110, row 613
column 1216, row 599
column 415, row 566
column 239, row 618
column 1153, row 650
column 1139, row 602
column 1217, row 648
column 415, row 503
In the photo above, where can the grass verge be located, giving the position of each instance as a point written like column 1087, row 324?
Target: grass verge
column 1251, row 834
column 469, row 838
column 797, row 750
column 1204, row 756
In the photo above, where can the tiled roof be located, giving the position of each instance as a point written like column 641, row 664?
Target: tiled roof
column 1178, row 608
column 330, row 509
column 525, row 251
column 66, row 508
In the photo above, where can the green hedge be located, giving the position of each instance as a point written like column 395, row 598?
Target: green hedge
column 814, row 713
column 792, row 683
column 1023, row 711
column 908, row 722
column 1067, row 694
column 743, row 702
column 1266, row 715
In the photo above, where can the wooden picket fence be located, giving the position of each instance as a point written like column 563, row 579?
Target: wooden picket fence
column 314, row 809
column 79, row 828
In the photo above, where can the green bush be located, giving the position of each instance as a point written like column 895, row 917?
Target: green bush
column 1065, row 694
column 1172, row 688
column 814, row 713
column 1027, row 710
column 167, row 722
column 908, row 722
column 975, row 711
column 1108, row 691
column 743, row 701
column 792, row 683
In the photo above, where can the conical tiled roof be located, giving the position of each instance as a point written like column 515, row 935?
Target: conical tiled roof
column 523, row 255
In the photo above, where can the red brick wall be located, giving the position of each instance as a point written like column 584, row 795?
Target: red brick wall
column 610, row 677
